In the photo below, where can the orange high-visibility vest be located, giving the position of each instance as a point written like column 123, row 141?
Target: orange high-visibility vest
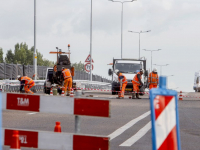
column 124, row 80
column 135, row 79
column 153, row 78
column 27, row 79
column 66, row 73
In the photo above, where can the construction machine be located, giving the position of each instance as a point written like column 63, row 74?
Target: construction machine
column 53, row 77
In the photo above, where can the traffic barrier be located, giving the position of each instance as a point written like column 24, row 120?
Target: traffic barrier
column 60, row 105
column 180, row 96
column 15, row 144
column 57, row 127
column 55, row 140
column 51, row 92
column 72, row 93
column 164, row 118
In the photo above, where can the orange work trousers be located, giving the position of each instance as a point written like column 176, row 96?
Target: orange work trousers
column 136, row 88
column 27, row 87
column 152, row 86
column 68, row 85
column 122, row 90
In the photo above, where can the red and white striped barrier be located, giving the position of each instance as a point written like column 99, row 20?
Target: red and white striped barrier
column 60, row 105
column 165, row 123
column 55, row 140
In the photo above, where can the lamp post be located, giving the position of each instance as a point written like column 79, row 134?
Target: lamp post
column 35, row 53
column 139, row 37
column 122, row 21
column 91, row 43
column 161, row 67
column 151, row 55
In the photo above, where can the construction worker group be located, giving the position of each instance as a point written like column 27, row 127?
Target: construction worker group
column 137, row 82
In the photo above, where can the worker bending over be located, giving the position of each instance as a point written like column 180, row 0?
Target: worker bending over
column 67, row 80
column 123, row 82
column 27, row 83
column 153, row 79
column 137, row 83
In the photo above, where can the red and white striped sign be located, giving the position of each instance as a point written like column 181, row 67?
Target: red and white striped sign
column 165, row 123
column 55, row 140
column 56, row 104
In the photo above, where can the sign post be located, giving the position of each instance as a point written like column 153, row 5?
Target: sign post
column 164, row 118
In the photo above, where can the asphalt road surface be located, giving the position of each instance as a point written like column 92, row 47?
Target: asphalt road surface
column 131, row 117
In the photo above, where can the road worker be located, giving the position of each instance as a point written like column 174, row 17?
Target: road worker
column 27, row 83
column 137, row 83
column 67, row 80
column 123, row 82
column 153, row 79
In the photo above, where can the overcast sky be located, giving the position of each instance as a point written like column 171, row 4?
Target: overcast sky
column 174, row 26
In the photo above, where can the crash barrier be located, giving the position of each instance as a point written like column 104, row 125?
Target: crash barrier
column 61, row 105
column 164, row 118
column 55, row 140
column 14, row 85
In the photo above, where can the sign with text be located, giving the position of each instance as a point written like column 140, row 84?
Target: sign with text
column 87, row 67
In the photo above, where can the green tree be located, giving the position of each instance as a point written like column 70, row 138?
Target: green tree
column 78, row 66
column 1, row 55
column 9, row 57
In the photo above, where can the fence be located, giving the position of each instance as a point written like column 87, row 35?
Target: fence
column 10, row 71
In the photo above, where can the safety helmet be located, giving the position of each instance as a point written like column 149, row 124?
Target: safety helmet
column 141, row 70
column 18, row 76
column 116, row 71
column 154, row 69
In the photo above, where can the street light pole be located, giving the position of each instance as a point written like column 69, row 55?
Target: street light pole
column 35, row 53
column 122, row 21
column 139, row 37
column 161, row 67
column 151, row 55
column 91, row 44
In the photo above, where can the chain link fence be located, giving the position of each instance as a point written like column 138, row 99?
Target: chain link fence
column 10, row 71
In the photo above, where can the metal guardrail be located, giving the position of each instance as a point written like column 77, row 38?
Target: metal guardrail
column 14, row 85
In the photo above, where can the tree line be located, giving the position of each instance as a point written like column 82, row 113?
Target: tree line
column 23, row 55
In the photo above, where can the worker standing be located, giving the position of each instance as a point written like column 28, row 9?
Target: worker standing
column 27, row 83
column 137, row 82
column 123, row 82
column 67, row 80
column 153, row 79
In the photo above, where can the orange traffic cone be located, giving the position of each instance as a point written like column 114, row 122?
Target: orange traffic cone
column 57, row 127
column 51, row 92
column 63, row 93
column 72, row 93
column 15, row 144
column 180, row 96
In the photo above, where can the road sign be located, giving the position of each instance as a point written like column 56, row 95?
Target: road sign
column 164, row 117
column 88, row 59
column 87, row 67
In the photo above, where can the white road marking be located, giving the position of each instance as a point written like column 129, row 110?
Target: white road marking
column 126, row 126
column 137, row 136
column 32, row 113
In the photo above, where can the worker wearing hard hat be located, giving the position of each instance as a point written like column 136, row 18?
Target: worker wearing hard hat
column 137, row 82
column 153, row 79
column 27, row 83
column 123, row 82
column 67, row 80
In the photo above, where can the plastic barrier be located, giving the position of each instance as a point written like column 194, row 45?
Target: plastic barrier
column 164, row 118
column 55, row 140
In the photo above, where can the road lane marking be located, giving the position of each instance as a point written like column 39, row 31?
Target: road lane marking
column 32, row 113
column 137, row 136
column 126, row 126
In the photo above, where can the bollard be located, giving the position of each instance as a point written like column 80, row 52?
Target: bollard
column 180, row 96
column 57, row 127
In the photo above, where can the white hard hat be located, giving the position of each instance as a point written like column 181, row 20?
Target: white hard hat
column 154, row 69
column 116, row 71
column 141, row 70
column 18, row 76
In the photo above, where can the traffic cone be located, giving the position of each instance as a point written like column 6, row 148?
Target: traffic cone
column 63, row 93
column 15, row 144
column 57, row 127
column 180, row 96
column 72, row 93
column 51, row 92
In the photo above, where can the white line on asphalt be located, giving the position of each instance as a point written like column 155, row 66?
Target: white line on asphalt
column 32, row 113
column 128, row 125
column 137, row 136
